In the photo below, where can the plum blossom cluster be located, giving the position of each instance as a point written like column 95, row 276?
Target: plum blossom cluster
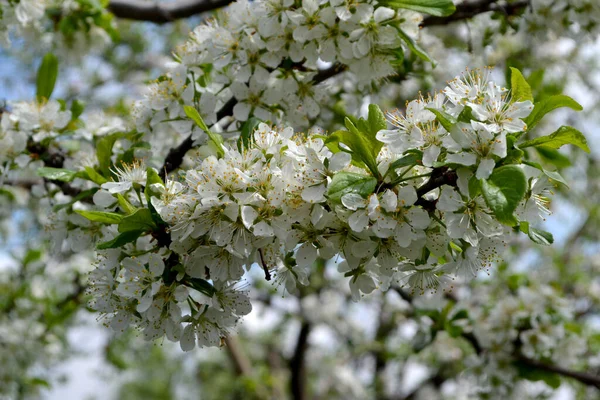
column 416, row 206
column 534, row 322
column 263, row 59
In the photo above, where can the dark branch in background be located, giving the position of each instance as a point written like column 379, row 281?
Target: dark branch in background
column 241, row 363
column 176, row 154
column 161, row 13
column 298, row 364
column 472, row 9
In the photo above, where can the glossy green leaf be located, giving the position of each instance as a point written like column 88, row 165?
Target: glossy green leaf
column 217, row 140
column 503, row 191
column 547, row 105
column 101, row 216
column 438, row 8
column 94, row 176
column 447, row 120
column 414, row 46
column 246, row 134
column 519, row 87
column 125, row 205
column 350, row 182
column 554, row 175
column 120, row 240
column 140, row 220
column 564, row 135
column 57, row 174
column 46, row 77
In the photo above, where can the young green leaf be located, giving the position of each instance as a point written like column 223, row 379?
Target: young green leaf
column 437, row 8
column 503, row 191
column 409, row 159
column 447, row 120
column 246, row 134
column 554, row 175
column 547, row 105
column 120, row 240
column 101, row 216
column 349, row 182
column 414, row 46
column 363, row 146
column 125, row 205
column 519, row 87
column 46, row 77
column 58, row 174
column 553, row 157
column 194, row 115
column 564, row 135
column 141, row 220
column 94, row 176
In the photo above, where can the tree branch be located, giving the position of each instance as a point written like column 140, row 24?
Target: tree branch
column 472, row 9
column 583, row 377
column 241, row 363
column 298, row 364
column 161, row 13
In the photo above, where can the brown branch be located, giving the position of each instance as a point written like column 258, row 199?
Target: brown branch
column 298, row 364
column 161, row 13
column 241, row 363
column 583, row 377
column 469, row 10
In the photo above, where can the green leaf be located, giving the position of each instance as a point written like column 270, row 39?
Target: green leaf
column 409, row 159
column 547, row 105
column 101, row 216
column 46, row 77
column 438, row 8
column 553, row 157
column 520, row 89
column 77, row 108
column 152, row 177
column 246, row 134
column 120, row 240
column 447, row 120
column 125, row 205
column 564, row 135
column 194, row 115
column 503, row 191
column 541, row 237
column 104, row 148
column 466, row 115
column 414, row 46
column 141, row 220
column 349, row 182
column 554, row 175
column 360, row 139
column 376, row 119
column 94, row 176
column 58, row 174
column 474, row 187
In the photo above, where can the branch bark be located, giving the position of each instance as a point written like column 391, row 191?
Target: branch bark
column 161, row 13
column 472, row 9
column 298, row 364
column 241, row 363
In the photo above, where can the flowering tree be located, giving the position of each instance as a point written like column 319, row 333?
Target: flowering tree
column 281, row 150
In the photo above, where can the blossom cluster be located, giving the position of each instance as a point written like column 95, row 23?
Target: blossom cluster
column 279, row 200
column 533, row 322
column 268, row 57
